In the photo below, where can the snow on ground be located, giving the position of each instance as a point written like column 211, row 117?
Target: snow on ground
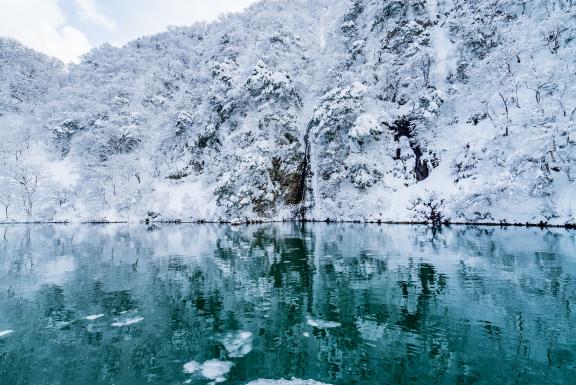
column 174, row 199
column 63, row 172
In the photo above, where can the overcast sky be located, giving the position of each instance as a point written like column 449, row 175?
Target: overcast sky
column 68, row 28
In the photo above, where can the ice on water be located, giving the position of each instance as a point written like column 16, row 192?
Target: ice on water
column 127, row 322
column 238, row 344
column 322, row 324
column 214, row 370
column 94, row 317
column 4, row 333
column 293, row 381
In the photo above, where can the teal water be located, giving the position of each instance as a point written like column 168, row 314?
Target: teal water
column 337, row 303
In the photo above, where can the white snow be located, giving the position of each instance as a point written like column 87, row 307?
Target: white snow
column 432, row 8
column 365, row 125
column 174, row 199
column 445, row 63
column 63, row 172
column 127, row 322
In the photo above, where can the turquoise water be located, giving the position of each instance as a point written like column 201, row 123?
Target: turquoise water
column 341, row 304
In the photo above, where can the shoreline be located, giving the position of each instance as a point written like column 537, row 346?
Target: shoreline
column 541, row 225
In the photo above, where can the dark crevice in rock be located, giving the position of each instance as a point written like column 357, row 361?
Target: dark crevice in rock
column 420, row 168
column 404, row 127
column 290, row 182
column 305, row 175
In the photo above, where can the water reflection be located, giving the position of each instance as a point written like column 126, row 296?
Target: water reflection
column 342, row 304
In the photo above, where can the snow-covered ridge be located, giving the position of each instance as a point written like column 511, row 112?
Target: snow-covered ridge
column 428, row 110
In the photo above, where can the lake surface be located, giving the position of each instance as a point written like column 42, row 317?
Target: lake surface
column 336, row 303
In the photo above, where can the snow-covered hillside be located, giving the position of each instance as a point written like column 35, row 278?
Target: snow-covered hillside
column 376, row 110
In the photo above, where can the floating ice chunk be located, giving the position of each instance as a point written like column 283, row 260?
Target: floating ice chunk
column 192, row 367
column 293, row 381
column 238, row 344
column 4, row 333
column 321, row 324
column 127, row 322
column 129, row 311
column 62, row 324
column 214, row 370
column 94, row 317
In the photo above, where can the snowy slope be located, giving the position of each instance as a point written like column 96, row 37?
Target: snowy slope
column 437, row 110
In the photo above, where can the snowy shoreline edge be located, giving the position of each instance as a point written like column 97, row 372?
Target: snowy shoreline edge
column 239, row 222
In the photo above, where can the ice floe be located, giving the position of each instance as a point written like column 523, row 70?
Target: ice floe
column 293, row 381
column 4, row 333
column 321, row 324
column 214, row 370
column 238, row 344
column 94, row 317
column 127, row 322
column 192, row 367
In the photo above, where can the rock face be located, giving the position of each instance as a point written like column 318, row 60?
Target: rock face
column 341, row 110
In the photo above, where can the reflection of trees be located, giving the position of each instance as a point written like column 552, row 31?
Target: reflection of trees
column 415, row 306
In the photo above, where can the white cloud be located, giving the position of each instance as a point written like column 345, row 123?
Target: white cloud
column 89, row 12
column 155, row 16
column 189, row 11
column 41, row 24
column 61, row 27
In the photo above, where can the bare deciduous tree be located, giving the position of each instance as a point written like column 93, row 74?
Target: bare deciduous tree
column 27, row 179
